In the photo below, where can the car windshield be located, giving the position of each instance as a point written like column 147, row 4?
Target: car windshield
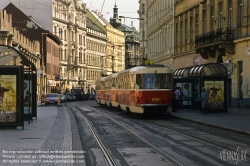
column 51, row 95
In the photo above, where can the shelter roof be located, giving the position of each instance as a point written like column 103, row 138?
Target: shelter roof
column 8, row 54
column 201, row 70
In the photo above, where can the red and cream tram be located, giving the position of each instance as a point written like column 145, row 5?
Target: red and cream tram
column 100, row 89
column 111, row 88
column 142, row 89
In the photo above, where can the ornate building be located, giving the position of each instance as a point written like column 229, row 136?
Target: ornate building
column 115, row 50
column 69, row 23
column 96, row 50
column 132, row 45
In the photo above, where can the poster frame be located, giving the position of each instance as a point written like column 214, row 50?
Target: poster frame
column 18, row 72
column 217, row 79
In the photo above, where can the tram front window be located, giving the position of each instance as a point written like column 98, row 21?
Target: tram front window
column 153, row 81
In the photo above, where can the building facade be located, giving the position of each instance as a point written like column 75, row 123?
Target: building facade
column 96, row 50
column 216, row 31
column 48, row 49
column 157, row 27
column 132, row 45
column 69, row 23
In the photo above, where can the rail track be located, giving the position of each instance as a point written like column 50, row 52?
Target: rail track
column 111, row 161
column 209, row 136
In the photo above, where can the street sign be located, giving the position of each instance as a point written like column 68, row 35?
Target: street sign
column 57, row 78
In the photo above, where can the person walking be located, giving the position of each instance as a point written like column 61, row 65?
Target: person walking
column 177, row 98
column 173, row 99
column 204, row 100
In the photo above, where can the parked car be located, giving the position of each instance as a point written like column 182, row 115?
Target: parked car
column 63, row 98
column 51, row 98
column 68, row 97
column 73, row 97
column 91, row 96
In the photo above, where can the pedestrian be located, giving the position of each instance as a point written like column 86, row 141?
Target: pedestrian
column 173, row 99
column 204, row 100
column 177, row 97
column 181, row 97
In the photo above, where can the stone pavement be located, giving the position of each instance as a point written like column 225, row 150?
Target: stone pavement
column 235, row 119
column 51, row 139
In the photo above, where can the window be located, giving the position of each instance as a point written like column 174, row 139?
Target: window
column 55, row 30
column 181, row 28
column 153, row 81
column 65, row 35
column 72, row 36
column 143, row 9
column 204, row 21
column 220, row 15
column 230, row 12
column 65, row 53
column 212, row 19
column 177, row 34
column 240, row 15
column 186, row 31
column 191, row 29
column 196, row 24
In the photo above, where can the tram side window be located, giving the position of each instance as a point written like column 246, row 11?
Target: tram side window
column 139, row 81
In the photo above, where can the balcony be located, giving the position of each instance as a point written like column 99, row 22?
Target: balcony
column 220, row 41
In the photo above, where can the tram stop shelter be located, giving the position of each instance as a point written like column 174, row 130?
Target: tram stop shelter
column 17, row 88
column 212, row 76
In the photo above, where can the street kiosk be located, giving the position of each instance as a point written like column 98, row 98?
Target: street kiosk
column 17, row 88
column 212, row 76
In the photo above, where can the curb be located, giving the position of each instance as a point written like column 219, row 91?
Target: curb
column 211, row 125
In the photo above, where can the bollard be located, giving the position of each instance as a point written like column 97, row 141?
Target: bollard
column 59, row 100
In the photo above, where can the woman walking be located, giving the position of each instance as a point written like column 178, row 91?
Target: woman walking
column 204, row 100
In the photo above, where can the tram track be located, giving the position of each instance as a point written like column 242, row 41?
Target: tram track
column 110, row 160
column 108, row 157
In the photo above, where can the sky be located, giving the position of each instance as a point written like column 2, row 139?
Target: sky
column 127, row 8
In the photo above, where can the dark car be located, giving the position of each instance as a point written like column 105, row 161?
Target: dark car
column 68, row 97
column 73, row 96
column 51, row 98
column 91, row 96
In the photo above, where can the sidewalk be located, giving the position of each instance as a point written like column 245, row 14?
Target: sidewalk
column 45, row 141
column 235, row 119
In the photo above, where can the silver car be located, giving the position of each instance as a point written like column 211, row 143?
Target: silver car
column 51, row 98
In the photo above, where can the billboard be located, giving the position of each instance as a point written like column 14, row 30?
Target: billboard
column 8, row 97
column 215, row 90
column 11, row 106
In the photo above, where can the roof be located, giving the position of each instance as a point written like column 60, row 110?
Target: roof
column 201, row 70
column 92, row 25
column 11, row 53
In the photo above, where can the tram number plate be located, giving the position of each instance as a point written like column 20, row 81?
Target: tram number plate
column 155, row 99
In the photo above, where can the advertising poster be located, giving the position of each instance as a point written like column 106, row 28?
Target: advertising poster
column 8, row 110
column 27, row 96
column 187, row 91
column 215, row 90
